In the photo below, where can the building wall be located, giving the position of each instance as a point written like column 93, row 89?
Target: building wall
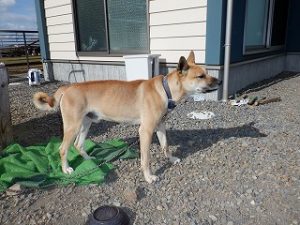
column 175, row 29
column 246, row 73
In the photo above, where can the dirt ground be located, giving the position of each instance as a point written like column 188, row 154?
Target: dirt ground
column 239, row 168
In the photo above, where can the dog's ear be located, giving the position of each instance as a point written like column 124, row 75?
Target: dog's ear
column 191, row 58
column 182, row 65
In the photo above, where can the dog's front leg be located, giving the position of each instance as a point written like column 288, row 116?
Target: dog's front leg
column 162, row 138
column 145, row 141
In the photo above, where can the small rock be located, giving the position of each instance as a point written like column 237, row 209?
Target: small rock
column 249, row 191
column 159, row 207
column 252, row 202
column 230, row 223
column 213, row 218
column 14, row 189
column 116, row 203
column 130, row 195
column 49, row 216
column 254, row 177
column 244, row 144
column 221, row 143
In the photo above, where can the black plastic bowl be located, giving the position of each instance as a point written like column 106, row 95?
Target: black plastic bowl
column 108, row 215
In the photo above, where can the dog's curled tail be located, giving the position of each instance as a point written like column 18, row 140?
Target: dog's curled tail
column 43, row 101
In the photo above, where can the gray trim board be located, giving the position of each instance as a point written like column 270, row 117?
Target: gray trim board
column 215, row 31
column 42, row 28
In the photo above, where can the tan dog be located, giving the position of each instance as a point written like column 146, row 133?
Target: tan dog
column 143, row 102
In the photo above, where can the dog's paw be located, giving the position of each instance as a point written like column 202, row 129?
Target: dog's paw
column 151, row 178
column 174, row 160
column 68, row 170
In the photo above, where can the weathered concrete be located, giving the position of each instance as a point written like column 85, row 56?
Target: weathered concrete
column 5, row 119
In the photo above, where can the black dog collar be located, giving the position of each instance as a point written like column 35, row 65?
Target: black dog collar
column 171, row 103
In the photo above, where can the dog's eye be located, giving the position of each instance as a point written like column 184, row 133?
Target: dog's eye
column 201, row 76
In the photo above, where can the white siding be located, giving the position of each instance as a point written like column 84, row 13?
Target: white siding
column 168, row 5
column 178, row 30
column 175, row 29
column 51, row 3
column 61, row 38
column 59, row 20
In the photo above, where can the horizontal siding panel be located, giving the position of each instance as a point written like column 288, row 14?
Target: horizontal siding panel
column 57, row 11
column 104, row 59
column 180, row 16
column 61, row 38
column 60, row 20
column 68, row 46
column 174, row 56
column 72, row 56
column 63, row 55
column 167, row 5
column 197, row 43
column 61, row 29
column 55, row 3
column 193, row 29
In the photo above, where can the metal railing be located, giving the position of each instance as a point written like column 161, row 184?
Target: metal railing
column 19, row 47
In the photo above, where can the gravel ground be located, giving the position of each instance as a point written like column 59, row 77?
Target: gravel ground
column 241, row 167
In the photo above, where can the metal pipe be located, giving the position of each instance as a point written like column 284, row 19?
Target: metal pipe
column 227, row 49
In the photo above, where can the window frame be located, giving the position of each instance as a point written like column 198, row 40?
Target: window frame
column 108, row 52
column 268, row 33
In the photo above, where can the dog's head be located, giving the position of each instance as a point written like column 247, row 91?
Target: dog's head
column 194, row 78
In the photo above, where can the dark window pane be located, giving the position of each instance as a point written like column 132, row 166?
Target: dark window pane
column 127, row 22
column 279, row 22
column 90, row 17
column 256, row 23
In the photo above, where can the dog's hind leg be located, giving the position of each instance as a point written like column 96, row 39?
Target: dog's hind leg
column 162, row 138
column 69, row 136
column 72, row 122
column 79, row 142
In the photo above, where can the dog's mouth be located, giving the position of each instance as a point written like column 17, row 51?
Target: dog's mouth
column 207, row 90
column 210, row 89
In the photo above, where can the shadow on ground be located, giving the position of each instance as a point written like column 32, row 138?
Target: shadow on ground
column 189, row 142
column 40, row 130
column 269, row 82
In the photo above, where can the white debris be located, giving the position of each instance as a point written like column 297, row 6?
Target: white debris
column 202, row 115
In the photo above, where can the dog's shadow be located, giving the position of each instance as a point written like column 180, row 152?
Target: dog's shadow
column 202, row 139
column 42, row 129
column 189, row 142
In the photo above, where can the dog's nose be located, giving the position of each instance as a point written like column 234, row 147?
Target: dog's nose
column 219, row 82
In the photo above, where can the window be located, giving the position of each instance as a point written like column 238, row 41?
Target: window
column 265, row 25
column 111, row 26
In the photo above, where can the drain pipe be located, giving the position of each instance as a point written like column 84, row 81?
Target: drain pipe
column 227, row 49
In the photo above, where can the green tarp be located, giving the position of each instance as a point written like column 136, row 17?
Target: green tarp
column 40, row 166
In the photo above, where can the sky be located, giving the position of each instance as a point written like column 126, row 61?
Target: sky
column 17, row 15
